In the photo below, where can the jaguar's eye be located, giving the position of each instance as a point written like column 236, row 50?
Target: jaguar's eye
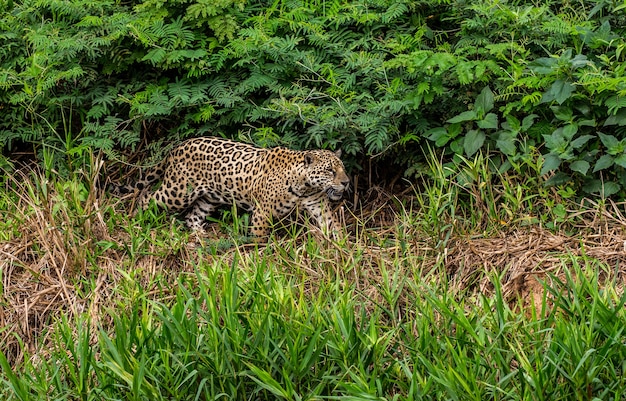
column 331, row 171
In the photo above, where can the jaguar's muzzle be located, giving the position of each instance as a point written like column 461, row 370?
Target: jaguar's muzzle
column 334, row 194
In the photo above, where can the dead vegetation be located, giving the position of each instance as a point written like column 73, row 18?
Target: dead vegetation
column 65, row 256
column 529, row 256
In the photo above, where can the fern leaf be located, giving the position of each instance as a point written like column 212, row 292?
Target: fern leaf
column 464, row 72
column 615, row 103
column 395, row 10
column 179, row 92
column 155, row 56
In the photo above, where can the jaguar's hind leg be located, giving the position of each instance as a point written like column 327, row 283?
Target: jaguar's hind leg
column 196, row 217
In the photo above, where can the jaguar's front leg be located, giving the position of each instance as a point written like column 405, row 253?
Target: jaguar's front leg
column 260, row 225
column 321, row 212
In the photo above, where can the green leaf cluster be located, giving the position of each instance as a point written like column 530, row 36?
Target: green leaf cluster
column 563, row 78
column 99, row 74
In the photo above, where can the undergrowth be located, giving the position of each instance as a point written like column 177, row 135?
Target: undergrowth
column 100, row 304
column 377, row 78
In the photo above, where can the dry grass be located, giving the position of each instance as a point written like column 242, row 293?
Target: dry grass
column 70, row 255
column 529, row 256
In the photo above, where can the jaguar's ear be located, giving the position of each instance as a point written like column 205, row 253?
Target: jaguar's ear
column 308, row 159
column 338, row 152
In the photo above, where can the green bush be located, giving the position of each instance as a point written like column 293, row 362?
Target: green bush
column 562, row 90
column 378, row 78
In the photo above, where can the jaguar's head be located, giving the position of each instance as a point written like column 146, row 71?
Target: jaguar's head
column 324, row 172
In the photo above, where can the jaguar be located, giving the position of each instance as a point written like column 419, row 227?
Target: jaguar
column 202, row 173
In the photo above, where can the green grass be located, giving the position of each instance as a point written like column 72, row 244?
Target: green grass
column 244, row 329
column 140, row 309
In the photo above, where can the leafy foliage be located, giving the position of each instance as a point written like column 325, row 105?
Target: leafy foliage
column 91, row 74
column 378, row 78
column 564, row 68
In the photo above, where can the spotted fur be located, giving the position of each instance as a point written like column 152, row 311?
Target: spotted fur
column 202, row 173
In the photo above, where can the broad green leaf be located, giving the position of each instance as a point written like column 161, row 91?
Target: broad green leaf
column 455, row 130
column 620, row 160
column 580, row 141
column 563, row 113
column 592, row 186
column 618, row 119
column 473, row 141
column 484, row 101
column 587, row 123
column 603, row 162
column 561, row 90
column 605, row 189
column 468, row 115
column 580, row 166
column 489, row 122
column 560, row 211
column 580, row 60
column 556, row 141
column 528, row 122
column 456, row 146
column 543, row 65
column 610, row 188
column 559, row 178
column 566, row 55
column 441, row 141
column 582, row 109
column 439, row 135
column 435, row 133
column 550, row 163
column 569, row 131
column 611, row 143
column 506, row 143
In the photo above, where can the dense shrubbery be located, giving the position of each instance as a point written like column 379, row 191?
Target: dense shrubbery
column 375, row 77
